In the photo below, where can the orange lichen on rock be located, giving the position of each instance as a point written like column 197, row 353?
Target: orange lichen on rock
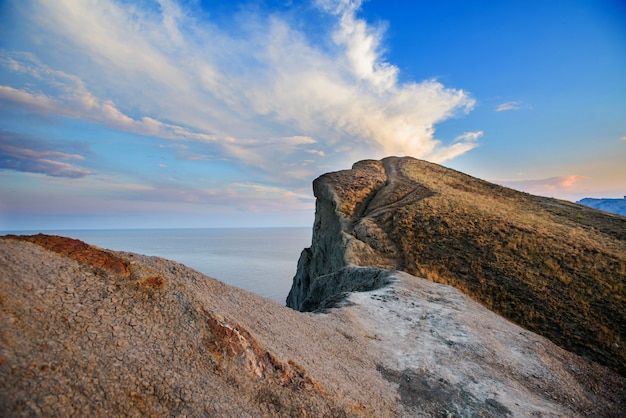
column 229, row 340
column 79, row 251
column 153, row 282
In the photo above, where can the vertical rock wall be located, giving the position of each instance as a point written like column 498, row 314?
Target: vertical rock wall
column 342, row 197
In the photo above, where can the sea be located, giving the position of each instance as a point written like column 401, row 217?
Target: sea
column 260, row 260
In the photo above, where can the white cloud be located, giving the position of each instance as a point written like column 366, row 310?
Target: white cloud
column 512, row 105
column 77, row 102
column 316, row 152
column 261, row 96
column 469, row 136
column 551, row 186
column 363, row 49
column 299, row 139
column 447, row 153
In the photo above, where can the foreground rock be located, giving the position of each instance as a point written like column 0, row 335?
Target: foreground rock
column 91, row 332
column 449, row 356
column 88, row 332
column 553, row 267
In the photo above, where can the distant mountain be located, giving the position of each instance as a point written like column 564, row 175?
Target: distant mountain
column 551, row 266
column 617, row 206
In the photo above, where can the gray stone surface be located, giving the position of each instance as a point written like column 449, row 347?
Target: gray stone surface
column 77, row 340
column 332, row 289
column 155, row 338
column 551, row 266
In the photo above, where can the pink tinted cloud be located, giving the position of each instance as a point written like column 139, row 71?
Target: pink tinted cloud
column 548, row 186
column 33, row 160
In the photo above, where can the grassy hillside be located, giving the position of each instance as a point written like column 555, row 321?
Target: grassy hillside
column 552, row 266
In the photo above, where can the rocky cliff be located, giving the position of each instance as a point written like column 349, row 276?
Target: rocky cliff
column 85, row 331
column 553, row 267
column 90, row 332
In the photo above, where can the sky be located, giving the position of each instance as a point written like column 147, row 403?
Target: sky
column 216, row 113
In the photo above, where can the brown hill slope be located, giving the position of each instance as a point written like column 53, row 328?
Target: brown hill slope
column 554, row 267
column 91, row 332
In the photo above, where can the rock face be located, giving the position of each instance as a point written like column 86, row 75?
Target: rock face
column 553, row 267
column 449, row 356
column 91, row 332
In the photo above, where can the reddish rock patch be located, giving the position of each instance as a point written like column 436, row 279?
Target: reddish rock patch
column 229, row 340
column 79, row 251
column 154, row 282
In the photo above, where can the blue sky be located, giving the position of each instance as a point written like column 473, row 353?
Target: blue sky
column 203, row 113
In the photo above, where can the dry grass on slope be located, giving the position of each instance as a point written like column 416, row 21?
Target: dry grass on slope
column 556, row 268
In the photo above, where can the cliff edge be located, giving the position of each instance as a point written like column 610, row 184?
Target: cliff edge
column 86, row 331
column 551, row 266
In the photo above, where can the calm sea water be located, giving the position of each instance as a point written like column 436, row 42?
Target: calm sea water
column 260, row 260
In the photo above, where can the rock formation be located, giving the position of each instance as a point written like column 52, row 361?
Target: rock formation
column 86, row 331
column 551, row 266
column 91, row 332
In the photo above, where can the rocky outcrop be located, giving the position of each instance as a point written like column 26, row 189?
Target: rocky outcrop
column 331, row 289
column 121, row 334
column 341, row 200
column 554, row 267
column 450, row 356
column 347, row 230
column 90, row 332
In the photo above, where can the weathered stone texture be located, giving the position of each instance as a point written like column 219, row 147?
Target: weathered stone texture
column 553, row 267
column 164, row 340
column 89, row 332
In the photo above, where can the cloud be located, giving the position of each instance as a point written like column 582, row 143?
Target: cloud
column 187, row 153
column 362, row 45
column 623, row 138
column 158, row 70
column 462, row 144
column 24, row 154
column 316, row 152
column 512, row 105
column 469, row 136
column 228, row 195
column 548, row 186
column 73, row 100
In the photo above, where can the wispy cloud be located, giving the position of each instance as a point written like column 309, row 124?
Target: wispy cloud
column 462, row 144
column 22, row 154
column 228, row 195
column 469, row 136
column 72, row 99
column 158, row 71
column 512, row 105
column 187, row 153
column 548, row 186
